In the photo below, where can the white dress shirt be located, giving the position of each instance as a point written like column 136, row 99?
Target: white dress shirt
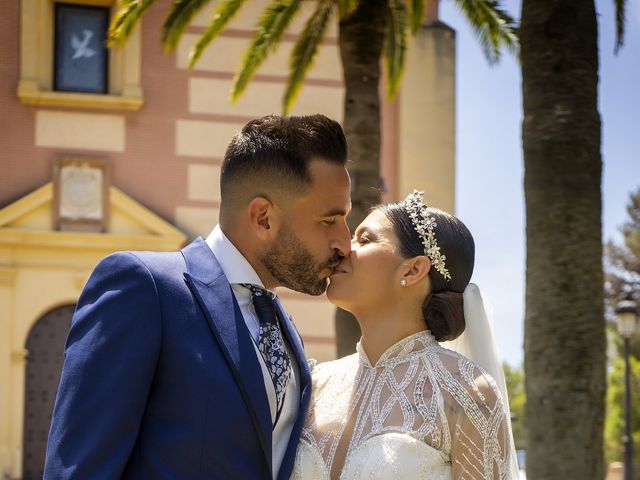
column 238, row 270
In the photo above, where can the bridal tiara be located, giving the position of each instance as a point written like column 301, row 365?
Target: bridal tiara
column 425, row 225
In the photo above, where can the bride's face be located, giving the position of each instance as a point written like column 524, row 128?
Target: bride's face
column 370, row 274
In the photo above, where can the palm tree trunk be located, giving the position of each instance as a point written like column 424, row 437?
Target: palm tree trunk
column 564, row 322
column 361, row 37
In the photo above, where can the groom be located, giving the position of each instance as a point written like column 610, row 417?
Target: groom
column 184, row 365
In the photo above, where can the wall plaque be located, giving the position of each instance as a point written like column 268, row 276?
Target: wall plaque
column 81, row 195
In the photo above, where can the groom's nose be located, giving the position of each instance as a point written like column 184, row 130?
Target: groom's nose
column 341, row 238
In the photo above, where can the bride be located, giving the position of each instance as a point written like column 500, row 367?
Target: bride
column 404, row 406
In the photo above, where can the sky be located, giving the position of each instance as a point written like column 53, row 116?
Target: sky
column 489, row 153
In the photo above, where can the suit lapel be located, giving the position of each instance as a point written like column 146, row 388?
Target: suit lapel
column 215, row 297
column 293, row 337
column 295, row 342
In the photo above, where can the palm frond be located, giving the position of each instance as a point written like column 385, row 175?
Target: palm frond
column 178, row 18
column 221, row 17
column 347, row 7
column 126, row 19
column 417, row 14
column 272, row 24
column 305, row 50
column 621, row 20
column 395, row 44
column 493, row 26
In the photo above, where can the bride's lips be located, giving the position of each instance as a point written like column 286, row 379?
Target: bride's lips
column 338, row 270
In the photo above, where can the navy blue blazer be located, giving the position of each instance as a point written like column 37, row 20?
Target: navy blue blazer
column 161, row 378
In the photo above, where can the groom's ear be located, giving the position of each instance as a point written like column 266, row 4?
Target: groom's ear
column 416, row 269
column 265, row 218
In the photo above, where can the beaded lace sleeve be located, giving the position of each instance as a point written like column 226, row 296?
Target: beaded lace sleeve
column 480, row 430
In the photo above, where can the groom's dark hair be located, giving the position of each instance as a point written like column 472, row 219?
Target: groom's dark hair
column 271, row 156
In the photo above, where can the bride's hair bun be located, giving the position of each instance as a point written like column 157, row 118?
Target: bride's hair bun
column 444, row 314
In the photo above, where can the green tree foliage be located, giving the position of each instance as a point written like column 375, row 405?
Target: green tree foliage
column 622, row 265
column 623, row 261
column 514, row 377
column 493, row 26
column 614, row 423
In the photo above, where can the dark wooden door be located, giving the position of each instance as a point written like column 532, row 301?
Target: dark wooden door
column 45, row 345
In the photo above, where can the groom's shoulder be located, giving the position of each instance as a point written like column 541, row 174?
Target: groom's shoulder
column 156, row 264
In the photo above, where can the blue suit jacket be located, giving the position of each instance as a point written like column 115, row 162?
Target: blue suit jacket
column 161, row 379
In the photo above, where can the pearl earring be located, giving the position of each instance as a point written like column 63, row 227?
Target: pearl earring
column 403, row 282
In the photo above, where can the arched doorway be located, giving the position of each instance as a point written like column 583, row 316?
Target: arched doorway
column 45, row 346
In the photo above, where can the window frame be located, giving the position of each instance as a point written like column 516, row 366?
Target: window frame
column 58, row 6
column 37, row 53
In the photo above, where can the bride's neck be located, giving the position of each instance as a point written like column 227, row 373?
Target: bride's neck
column 385, row 327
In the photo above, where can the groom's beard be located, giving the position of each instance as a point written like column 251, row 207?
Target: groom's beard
column 291, row 263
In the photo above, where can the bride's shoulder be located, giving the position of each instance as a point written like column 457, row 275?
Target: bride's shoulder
column 467, row 373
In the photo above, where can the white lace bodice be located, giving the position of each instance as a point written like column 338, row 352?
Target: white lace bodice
column 421, row 412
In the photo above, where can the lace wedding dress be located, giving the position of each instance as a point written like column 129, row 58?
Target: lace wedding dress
column 421, row 412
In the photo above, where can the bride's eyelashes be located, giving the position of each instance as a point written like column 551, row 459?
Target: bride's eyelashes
column 364, row 239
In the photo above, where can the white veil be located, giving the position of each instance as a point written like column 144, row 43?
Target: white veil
column 478, row 344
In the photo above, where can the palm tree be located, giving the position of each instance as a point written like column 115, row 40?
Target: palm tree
column 564, row 320
column 368, row 30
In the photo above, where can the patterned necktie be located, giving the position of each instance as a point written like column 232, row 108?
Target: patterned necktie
column 270, row 342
